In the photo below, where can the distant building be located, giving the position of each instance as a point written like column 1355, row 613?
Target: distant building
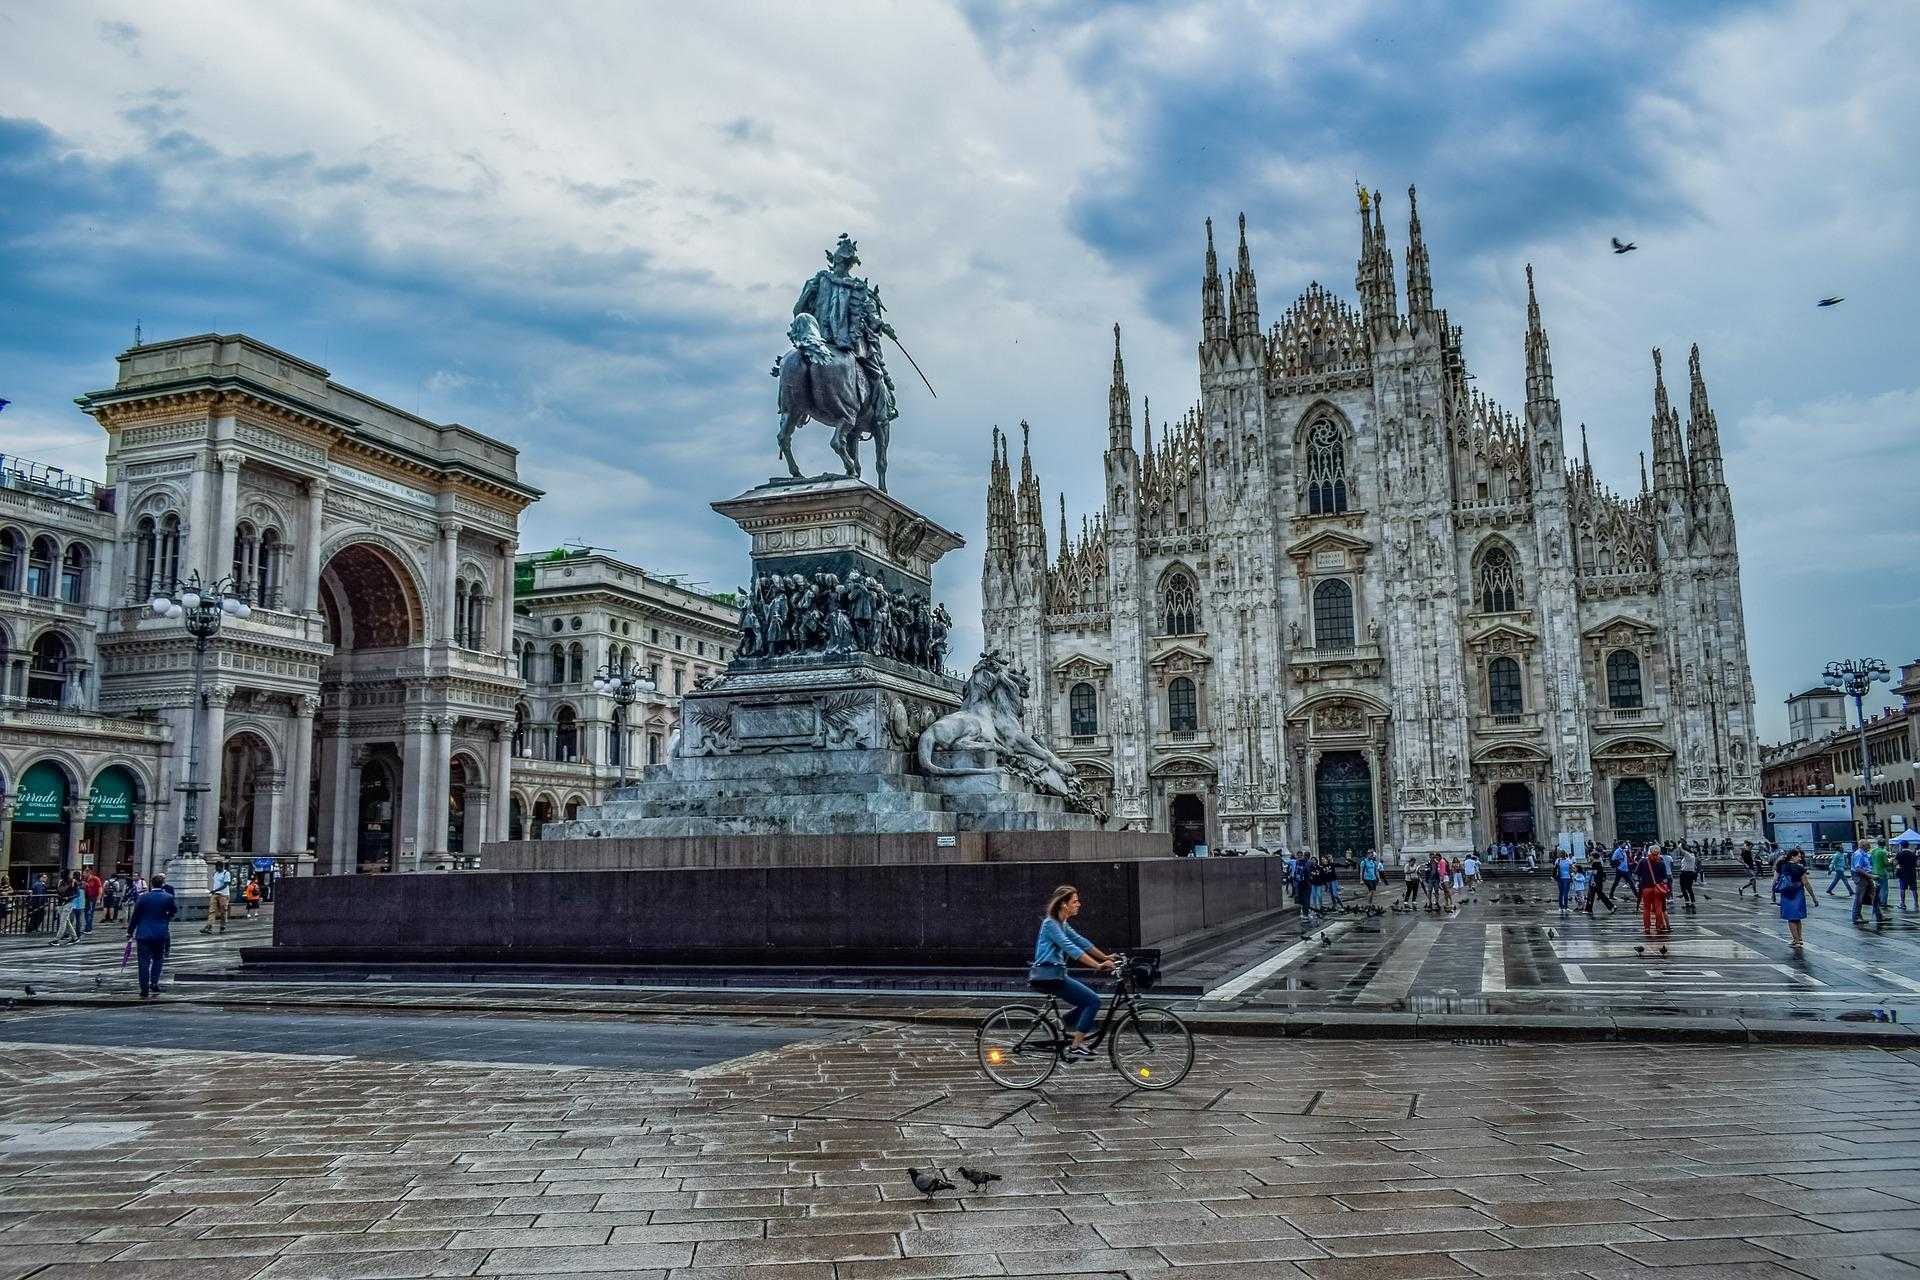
column 1830, row 763
column 577, row 612
column 1815, row 713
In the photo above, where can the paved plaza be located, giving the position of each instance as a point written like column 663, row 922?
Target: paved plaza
column 1275, row 1158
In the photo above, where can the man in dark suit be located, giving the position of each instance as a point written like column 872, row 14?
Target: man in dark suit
column 149, row 925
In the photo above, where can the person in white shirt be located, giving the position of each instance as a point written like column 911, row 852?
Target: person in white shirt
column 219, row 897
column 1472, row 870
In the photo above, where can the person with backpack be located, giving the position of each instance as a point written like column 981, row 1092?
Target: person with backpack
column 1622, row 868
column 1411, row 872
column 1906, row 861
column 1793, row 891
column 1370, row 876
column 1864, row 888
column 1689, row 872
column 150, row 925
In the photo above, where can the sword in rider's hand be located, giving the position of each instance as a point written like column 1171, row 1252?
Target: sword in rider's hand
column 910, row 360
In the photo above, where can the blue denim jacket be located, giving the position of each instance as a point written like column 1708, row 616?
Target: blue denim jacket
column 1056, row 942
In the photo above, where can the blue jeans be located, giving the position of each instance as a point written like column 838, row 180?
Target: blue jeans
column 1841, row 878
column 1566, row 888
column 90, row 904
column 1084, row 999
column 1880, row 882
column 150, row 955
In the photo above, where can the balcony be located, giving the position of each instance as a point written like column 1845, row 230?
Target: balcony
column 1609, row 718
column 1334, row 660
column 1521, row 724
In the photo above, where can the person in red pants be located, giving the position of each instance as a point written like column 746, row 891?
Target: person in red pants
column 1655, row 882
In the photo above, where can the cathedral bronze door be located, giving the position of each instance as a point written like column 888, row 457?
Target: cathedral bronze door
column 1343, row 803
column 1636, row 811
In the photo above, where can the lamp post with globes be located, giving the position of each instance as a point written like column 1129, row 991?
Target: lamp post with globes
column 202, row 609
column 1856, row 677
column 624, row 683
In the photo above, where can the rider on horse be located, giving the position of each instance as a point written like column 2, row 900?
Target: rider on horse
column 851, row 319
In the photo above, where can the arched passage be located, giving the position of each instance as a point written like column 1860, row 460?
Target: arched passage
column 1513, row 815
column 113, row 807
column 247, row 788
column 369, row 600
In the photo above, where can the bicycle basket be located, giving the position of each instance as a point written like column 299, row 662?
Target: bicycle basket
column 1143, row 968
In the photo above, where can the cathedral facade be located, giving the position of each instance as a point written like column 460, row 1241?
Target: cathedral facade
column 1345, row 601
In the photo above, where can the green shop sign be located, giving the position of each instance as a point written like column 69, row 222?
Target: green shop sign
column 41, row 795
column 110, row 801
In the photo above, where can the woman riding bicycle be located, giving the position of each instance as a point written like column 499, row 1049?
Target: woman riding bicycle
column 1057, row 942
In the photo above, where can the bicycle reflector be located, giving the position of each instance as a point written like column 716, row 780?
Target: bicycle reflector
column 1144, row 1073
column 996, row 1057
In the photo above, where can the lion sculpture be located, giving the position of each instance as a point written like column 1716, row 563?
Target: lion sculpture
column 989, row 719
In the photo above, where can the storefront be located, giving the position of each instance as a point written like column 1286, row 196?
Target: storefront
column 39, row 823
column 110, row 834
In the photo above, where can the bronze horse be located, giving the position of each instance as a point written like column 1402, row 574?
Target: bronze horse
column 820, row 384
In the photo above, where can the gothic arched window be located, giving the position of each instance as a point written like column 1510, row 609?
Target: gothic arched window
column 1503, row 687
column 1326, row 470
column 1180, row 606
column 1082, row 710
column 1624, row 689
column 1183, row 706
column 1333, row 615
column 1499, row 581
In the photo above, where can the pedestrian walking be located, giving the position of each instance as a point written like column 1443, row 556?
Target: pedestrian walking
column 1333, row 884
column 1302, row 886
column 1882, row 862
column 1840, row 862
column 1472, row 869
column 1563, row 878
column 1370, row 877
column 1411, row 871
column 1753, row 871
column 251, row 896
column 1906, row 861
column 1864, row 888
column 110, row 899
column 150, row 925
column 1689, row 872
column 218, row 899
column 1794, row 893
column 1459, row 874
column 1622, row 868
column 72, row 906
column 91, row 884
column 1655, row 884
column 1597, row 884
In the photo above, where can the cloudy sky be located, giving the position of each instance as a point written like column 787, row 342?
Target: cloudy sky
column 580, row 227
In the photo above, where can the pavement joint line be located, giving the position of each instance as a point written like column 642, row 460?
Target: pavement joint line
column 1259, row 973
column 1493, row 961
column 1396, row 976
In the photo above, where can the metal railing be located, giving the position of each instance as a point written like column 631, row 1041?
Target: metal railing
column 28, row 914
column 47, row 481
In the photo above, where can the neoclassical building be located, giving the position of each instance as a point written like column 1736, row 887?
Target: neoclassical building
column 76, row 787
column 1348, row 601
column 364, row 712
column 578, row 612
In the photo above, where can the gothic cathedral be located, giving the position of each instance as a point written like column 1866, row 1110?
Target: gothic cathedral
column 1347, row 602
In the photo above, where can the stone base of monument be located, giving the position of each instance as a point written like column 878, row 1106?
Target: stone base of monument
column 929, row 914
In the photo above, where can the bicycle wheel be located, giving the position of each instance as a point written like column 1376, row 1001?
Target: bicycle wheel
column 1019, row 1046
column 1151, row 1047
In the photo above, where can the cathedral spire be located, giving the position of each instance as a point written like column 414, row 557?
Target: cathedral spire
column 1246, row 299
column 1419, row 279
column 1146, row 412
column 1119, row 402
column 1374, row 277
column 1586, row 455
column 1063, row 527
column 1213, row 304
column 1031, row 524
column 1643, row 471
column 999, row 502
column 1703, row 433
column 1669, row 455
column 1539, row 355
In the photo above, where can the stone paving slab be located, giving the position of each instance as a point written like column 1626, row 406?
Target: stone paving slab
column 1278, row 1157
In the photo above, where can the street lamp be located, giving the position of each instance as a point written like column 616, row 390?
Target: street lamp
column 1856, row 677
column 202, row 608
column 623, row 682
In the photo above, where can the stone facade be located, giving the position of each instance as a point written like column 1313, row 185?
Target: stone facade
column 575, row 612
column 76, row 787
column 1346, row 600
column 1829, row 763
column 363, row 712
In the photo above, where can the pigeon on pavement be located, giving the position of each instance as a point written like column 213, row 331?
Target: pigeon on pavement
column 928, row 1183
column 1628, row 247
column 978, row 1177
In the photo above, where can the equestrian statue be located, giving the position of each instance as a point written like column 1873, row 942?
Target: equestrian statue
column 836, row 373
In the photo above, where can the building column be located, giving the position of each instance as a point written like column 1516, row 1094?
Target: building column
column 213, row 758
column 6, row 835
column 199, row 522
column 434, row 812
column 346, row 846
column 310, row 581
column 220, row 557
column 476, row 822
column 300, row 773
column 416, row 771
column 502, row 781
column 273, row 789
column 505, row 601
column 449, row 575
column 76, row 832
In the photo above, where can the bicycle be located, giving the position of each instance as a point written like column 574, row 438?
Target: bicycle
column 1021, row 1045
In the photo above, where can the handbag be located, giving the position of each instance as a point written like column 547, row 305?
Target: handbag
column 1044, row 971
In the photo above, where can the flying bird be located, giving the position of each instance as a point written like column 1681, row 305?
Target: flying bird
column 1628, row 247
column 978, row 1177
column 1834, row 301
column 5, row 403
column 926, row 1184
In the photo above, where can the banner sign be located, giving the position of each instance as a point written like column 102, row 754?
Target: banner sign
column 110, row 800
column 41, row 795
